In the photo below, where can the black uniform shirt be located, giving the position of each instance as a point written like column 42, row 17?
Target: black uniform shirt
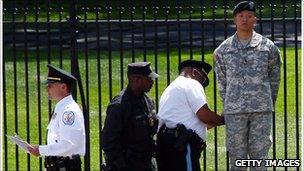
column 129, row 127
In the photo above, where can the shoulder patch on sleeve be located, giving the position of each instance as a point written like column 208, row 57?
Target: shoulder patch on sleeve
column 68, row 118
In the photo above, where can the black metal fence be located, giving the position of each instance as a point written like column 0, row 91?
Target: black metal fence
column 96, row 40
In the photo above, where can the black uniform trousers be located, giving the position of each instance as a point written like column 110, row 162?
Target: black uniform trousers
column 170, row 158
column 55, row 163
column 132, row 162
column 138, row 161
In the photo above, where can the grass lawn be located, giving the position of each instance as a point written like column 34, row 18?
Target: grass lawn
column 19, row 108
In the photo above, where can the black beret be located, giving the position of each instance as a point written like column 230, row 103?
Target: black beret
column 199, row 65
column 244, row 5
column 58, row 75
column 141, row 68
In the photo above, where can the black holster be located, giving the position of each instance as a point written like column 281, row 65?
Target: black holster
column 184, row 136
column 56, row 163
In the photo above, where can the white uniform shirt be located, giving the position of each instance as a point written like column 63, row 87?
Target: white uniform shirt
column 179, row 103
column 66, row 132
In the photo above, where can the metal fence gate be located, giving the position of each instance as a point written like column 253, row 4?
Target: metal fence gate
column 96, row 40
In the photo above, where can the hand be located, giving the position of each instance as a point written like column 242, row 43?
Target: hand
column 209, row 126
column 34, row 150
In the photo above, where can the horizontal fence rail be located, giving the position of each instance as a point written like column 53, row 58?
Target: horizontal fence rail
column 95, row 40
column 124, row 27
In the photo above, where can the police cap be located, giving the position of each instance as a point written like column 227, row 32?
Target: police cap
column 141, row 68
column 244, row 5
column 199, row 65
column 58, row 75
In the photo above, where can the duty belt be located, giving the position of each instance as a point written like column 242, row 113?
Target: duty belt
column 58, row 162
column 176, row 133
column 171, row 131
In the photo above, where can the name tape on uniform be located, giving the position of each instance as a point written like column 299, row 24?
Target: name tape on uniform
column 267, row 163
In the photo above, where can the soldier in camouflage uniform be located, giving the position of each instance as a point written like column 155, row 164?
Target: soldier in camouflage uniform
column 247, row 67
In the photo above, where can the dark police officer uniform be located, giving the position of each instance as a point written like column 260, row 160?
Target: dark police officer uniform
column 66, row 132
column 127, row 137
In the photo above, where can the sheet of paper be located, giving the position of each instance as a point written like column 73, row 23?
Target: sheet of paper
column 20, row 142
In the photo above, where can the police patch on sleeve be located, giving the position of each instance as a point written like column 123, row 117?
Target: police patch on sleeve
column 68, row 118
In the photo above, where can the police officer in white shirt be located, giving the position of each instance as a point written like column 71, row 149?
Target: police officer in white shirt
column 66, row 132
column 184, row 116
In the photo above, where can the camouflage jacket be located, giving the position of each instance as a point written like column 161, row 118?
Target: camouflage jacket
column 248, row 77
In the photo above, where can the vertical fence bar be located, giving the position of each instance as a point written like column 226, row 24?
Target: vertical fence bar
column 87, row 86
column 285, row 83
column 4, row 115
column 155, row 40
column 86, row 55
column 301, row 4
column 260, row 7
column 190, row 10
column 37, row 11
column 202, row 11
column 272, row 8
column 226, row 7
column 48, row 46
column 73, row 21
column 179, row 10
column 60, row 11
column 144, row 11
column 15, row 10
column 296, row 80
column 214, row 7
column 73, row 42
column 48, row 13
column 167, row 9
column 4, row 138
column 109, row 11
column 27, row 112
column 2, row 15
column 132, row 9
column 121, row 46
column 272, row 5
column 97, row 11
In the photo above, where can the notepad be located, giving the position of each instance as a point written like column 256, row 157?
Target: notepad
column 20, row 142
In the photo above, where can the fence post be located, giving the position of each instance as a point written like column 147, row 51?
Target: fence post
column 73, row 21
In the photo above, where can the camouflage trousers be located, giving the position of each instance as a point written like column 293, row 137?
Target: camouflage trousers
column 248, row 135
